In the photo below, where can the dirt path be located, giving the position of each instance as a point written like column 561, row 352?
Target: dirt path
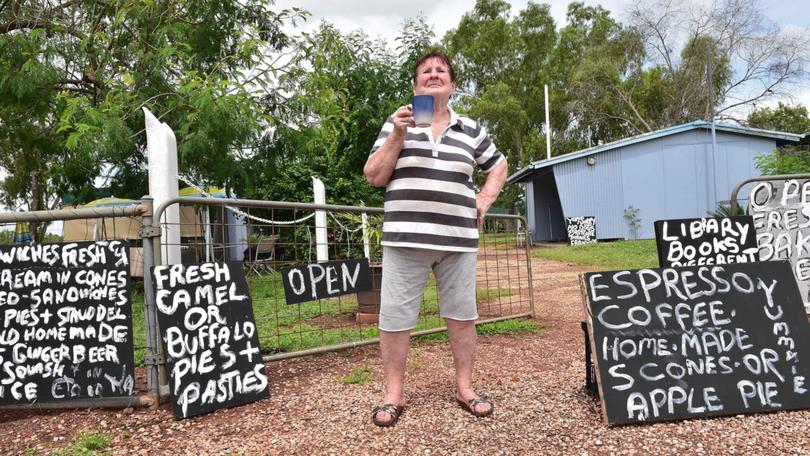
column 535, row 379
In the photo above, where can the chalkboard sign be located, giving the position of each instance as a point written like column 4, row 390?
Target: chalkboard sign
column 209, row 337
column 581, row 230
column 66, row 329
column 781, row 211
column 706, row 241
column 309, row 282
column 698, row 340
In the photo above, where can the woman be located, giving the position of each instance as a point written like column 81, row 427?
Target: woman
column 431, row 222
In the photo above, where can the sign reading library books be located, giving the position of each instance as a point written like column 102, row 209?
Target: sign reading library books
column 66, row 329
column 706, row 241
column 581, row 230
column 781, row 211
column 209, row 337
column 698, row 341
column 309, row 282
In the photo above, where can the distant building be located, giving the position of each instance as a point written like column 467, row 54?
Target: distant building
column 666, row 174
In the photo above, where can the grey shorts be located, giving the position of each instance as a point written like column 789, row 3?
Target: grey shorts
column 405, row 274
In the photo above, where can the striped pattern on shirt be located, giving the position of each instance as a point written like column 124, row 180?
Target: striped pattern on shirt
column 430, row 200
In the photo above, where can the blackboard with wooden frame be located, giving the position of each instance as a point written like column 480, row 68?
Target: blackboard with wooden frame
column 705, row 241
column 697, row 341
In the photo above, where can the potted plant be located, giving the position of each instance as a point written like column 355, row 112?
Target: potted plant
column 368, row 302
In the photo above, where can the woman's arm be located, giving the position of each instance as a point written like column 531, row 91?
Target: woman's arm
column 492, row 188
column 380, row 165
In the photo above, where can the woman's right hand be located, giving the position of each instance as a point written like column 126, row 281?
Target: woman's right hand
column 403, row 118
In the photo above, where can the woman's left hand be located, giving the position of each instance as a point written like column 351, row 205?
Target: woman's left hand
column 483, row 201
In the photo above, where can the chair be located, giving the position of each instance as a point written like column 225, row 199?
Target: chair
column 263, row 256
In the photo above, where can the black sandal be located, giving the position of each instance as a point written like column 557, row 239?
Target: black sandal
column 471, row 404
column 393, row 410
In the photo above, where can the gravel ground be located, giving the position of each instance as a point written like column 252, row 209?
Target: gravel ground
column 536, row 380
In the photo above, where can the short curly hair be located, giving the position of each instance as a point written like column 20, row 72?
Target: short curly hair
column 434, row 55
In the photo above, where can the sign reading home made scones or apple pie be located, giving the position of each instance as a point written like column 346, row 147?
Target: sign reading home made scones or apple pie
column 696, row 341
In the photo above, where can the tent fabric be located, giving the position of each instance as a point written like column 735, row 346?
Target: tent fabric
column 22, row 235
column 123, row 227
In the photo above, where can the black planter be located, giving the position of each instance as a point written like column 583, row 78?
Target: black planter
column 368, row 302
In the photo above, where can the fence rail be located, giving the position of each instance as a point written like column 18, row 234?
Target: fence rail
column 267, row 236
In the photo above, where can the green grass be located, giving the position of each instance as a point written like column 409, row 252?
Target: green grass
column 358, row 376
column 510, row 327
column 87, row 443
column 483, row 294
column 286, row 328
column 606, row 255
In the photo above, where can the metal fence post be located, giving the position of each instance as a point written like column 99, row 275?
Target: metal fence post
column 153, row 357
column 521, row 222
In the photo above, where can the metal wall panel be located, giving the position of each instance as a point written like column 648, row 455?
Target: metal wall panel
column 594, row 191
column 670, row 177
column 547, row 214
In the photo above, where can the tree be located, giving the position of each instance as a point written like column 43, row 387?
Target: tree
column 341, row 88
column 76, row 73
column 501, row 63
column 750, row 60
column 792, row 119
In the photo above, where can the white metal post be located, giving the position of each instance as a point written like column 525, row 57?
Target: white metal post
column 548, row 125
column 322, row 247
column 161, row 148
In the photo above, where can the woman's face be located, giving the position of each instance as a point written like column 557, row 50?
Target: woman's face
column 433, row 78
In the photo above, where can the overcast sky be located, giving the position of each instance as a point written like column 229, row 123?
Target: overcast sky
column 385, row 18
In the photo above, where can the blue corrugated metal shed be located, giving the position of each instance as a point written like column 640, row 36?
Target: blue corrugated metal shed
column 669, row 173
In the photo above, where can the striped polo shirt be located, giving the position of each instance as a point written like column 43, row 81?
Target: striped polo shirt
column 430, row 200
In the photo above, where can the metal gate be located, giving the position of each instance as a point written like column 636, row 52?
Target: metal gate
column 267, row 236
column 280, row 234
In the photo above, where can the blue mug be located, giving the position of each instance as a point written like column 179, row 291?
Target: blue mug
column 422, row 110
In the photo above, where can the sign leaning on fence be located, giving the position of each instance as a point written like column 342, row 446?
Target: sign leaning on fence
column 209, row 337
column 781, row 211
column 66, row 322
column 581, row 230
column 698, row 341
column 329, row 279
column 706, row 241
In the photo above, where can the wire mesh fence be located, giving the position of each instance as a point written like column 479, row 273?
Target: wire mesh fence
column 82, row 297
column 268, row 238
column 264, row 238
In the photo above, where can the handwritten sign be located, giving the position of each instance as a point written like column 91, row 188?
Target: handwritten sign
column 309, row 282
column 581, row 230
column 698, row 340
column 781, row 212
column 209, row 336
column 66, row 328
column 706, row 241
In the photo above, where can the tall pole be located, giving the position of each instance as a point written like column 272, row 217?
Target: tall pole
column 548, row 125
column 711, row 117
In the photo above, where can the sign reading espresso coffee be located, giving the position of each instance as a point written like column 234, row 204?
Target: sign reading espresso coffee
column 698, row 341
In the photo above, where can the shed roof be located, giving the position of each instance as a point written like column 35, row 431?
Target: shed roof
column 524, row 173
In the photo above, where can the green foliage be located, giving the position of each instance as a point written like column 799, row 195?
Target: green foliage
column 605, row 256
column 75, row 76
column 787, row 160
column 342, row 88
column 501, row 64
column 791, row 119
column 358, row 375
column 633, row 220
column 86, row 444
column 510, row 327
column 724, row 210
